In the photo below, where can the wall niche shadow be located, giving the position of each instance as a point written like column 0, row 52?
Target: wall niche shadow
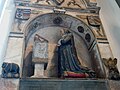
column 28, row 66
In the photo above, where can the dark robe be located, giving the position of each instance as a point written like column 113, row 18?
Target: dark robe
column 67, row 58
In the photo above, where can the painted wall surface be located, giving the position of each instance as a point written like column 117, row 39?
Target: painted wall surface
column 110, row 16
column 5, row 27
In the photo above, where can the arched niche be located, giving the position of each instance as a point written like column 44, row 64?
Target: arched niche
column 61, row 20
column 80, row 30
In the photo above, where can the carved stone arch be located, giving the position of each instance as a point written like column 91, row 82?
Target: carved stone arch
column 62, row 20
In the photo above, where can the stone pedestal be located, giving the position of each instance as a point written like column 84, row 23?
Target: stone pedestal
column 40, row 56
column 39, row 70
column 39, row 67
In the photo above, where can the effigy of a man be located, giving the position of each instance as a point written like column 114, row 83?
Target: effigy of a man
column 68, row 63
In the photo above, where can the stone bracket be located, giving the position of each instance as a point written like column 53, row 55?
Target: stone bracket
column 58, row 10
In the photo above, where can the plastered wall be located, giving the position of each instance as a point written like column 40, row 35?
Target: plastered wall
column 110, row 16
column 8, row 12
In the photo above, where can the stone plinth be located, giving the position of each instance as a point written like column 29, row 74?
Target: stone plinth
column 60, row 84
column 39, row 71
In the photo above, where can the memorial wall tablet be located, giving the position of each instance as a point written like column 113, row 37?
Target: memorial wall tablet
column 40, row 50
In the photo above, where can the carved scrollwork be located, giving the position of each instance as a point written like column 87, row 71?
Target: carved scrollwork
column 58, row 2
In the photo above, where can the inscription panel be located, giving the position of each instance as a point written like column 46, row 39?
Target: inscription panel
column 38, row 84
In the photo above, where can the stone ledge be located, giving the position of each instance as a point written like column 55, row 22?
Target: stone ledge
column 63, row 84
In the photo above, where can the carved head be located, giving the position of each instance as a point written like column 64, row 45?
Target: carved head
column 110, row 63
column 4, row 64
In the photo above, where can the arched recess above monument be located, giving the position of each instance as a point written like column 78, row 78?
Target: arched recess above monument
column 74, row 25
column 60, row 20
